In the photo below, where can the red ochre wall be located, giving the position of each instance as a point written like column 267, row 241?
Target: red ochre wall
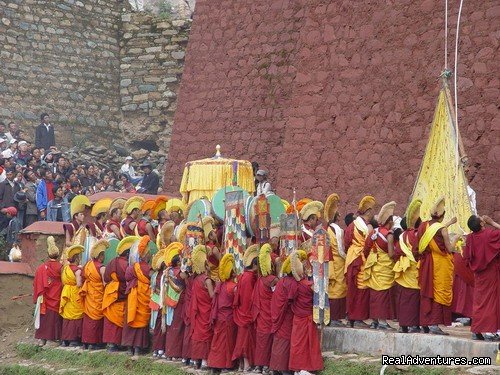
column 337, row 96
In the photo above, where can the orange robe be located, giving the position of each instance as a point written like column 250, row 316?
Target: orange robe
column 113, row 302
column 435, row 279
column 92, row 293
column 138, row 313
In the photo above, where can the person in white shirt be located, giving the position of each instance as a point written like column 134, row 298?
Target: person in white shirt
column 264, row 186
column 128, row 170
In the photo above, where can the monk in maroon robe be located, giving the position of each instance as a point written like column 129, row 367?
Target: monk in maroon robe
column 47, row 285
column 282, row 319
column 245, row 340
column 186, row 340
column 174, row 338
column 463, row 287
column 224, row 338
column 261, row 311
column 305, row 350
column 201, row 305
column 482, row 253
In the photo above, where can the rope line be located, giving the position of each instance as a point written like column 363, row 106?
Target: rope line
column 445, row 34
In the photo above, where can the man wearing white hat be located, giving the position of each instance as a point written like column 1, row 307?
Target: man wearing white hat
column 264, row 186
column 9, row 152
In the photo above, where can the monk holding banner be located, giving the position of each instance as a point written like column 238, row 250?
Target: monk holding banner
column 137, row 311
column 482, row 253
column 436, row 270
column 354, row 241
column 337, row 287
column 113, row 303
column 406, row 271
column 379, row 274
column 47, row 289
column 91, row 295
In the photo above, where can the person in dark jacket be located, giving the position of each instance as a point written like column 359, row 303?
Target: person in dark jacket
column 151, row 180
column 44, row 135
column 8, row 189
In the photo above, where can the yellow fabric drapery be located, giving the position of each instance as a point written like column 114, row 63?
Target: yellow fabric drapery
column 337, row 287
column 379, row 274
column 406, row 268
column 202, row 178
column 71, row 304
column 440, row 174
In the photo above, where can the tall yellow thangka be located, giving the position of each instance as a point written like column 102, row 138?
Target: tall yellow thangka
column 442, row 172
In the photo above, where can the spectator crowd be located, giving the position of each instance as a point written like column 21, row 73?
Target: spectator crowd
column 38, row 182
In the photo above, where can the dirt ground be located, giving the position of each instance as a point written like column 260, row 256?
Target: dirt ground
column 16, row 316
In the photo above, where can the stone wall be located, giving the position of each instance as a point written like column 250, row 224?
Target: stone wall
column 336, row 96
column 61, row 57
column 151, row 62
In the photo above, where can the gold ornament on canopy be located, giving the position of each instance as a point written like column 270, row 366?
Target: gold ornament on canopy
column 202, row 178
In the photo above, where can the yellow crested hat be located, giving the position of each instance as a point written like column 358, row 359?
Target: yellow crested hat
column 160, row 204
column 174, row 205
column 78, row 204
column 157, row 260
column 101, row 206
column 386, row 212
column 285, row 267
column 165, row 235
column 98, row 248
column 366, row 203
column 52, row 249
column 311, row 208
column 171, row 251
column 413, row 213
column 126, row 243
column 74, row 250
column 117, row 203
column 226, row 266
column 250, row 254
column 199, row 258
column 133, row 203
column 331, row 206
column 439, row 207
column 208, row 225
column 265, row 259
column 286, row 204
column 182, row 232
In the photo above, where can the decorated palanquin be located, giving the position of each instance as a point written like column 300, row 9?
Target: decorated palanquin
column 203, row 178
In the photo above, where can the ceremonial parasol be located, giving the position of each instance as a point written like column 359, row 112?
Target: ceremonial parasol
column 202, row 178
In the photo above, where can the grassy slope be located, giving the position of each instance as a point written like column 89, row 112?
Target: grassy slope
column 79, row 362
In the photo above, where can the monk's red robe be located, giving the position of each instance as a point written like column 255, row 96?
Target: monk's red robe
column 114, row 305
column 407, row 299
column 463, row 287
column 305, row 350
column 382, row 276
column 282, row 320
column 174, row 338
column 482, row 253
column 201, row 305
column 261, row 311
column 135, row 332
column 186, row 341
column 435, row 280
column 245, row 340
column 47, row 283
column 224, row 339
column 357, row 298
column 96, row 229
